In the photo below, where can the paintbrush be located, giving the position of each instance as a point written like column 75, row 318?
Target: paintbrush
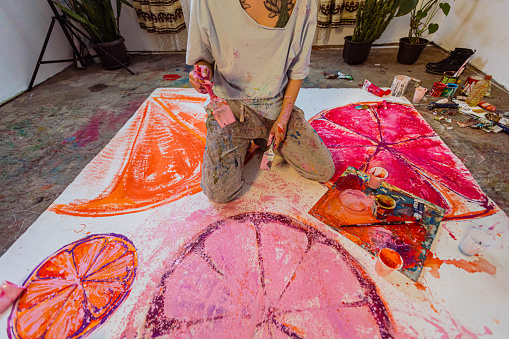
column 268, row 158
column 383, row 223
column 219, row 107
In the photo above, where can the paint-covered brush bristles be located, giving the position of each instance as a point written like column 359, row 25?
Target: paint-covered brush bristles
column 268, row 158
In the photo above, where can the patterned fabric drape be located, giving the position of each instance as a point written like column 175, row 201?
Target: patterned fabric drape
column 160, row 16
column 334, row 13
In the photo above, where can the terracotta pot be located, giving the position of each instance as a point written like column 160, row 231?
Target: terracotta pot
column 355, row 53
column 409, row 53
column 115, row 49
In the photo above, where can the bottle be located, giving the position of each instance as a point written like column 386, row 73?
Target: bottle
column 478, row 91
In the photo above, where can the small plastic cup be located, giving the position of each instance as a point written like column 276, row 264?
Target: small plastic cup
column 388, row 261
column 475, row 241
column 377, row 175
column 8, row 293
column 437, row 89
column 419, row 94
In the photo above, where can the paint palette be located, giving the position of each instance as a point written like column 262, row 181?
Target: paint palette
column 409, row 229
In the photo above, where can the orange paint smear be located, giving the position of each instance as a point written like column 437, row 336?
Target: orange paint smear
column 163, row 165
column 480, row 265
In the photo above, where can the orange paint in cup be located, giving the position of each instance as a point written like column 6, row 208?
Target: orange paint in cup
column 388, row 261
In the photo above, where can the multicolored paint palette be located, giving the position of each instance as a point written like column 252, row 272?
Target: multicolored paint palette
column 347, row 208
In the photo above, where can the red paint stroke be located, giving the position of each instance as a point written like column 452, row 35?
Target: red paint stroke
column 399, row 140
column 171, row 77
column 45, row 187
column 266, row 275
column 162, row 164
column 84, row 226
column 76, row 289
column 480, row 265
column 420, row 286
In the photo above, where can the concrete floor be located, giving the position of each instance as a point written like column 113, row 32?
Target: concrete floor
column 49, row 135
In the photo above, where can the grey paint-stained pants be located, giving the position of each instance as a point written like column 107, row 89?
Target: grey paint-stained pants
column 226, row 149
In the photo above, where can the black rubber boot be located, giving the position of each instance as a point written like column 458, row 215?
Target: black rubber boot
column 452, row 63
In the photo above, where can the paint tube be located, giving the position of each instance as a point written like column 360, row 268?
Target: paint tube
column 487, row 106
column 368, row 86
column 418, row 210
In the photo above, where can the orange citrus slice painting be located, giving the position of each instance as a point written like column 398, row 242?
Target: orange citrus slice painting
column 155, row 159
column 265, row 275
column 76, row 289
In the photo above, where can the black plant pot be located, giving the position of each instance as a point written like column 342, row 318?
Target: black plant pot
column 409, row 53
column 115, row 49
column 355, row 53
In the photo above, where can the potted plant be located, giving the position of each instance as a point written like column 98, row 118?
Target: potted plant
column 372, row 19
column 421, row 16
column 98, row 19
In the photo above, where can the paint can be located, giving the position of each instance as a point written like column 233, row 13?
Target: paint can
column 449, row 77
column 449, row 90
column 399, row 85
column 377, row 175
column 382, row 206
column 437, row 89
column 475, row 241
column 387, row 261
column 469, row 84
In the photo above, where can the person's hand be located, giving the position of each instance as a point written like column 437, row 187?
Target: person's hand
column 277, row 133
column 197, row 79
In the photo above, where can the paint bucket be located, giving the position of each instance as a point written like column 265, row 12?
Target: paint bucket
column 449, row 77
column 475, row 241
column 388, row 260
column 399, row 85
column 382, row 206
column 9, row 292
column 437, row 89
column 469, row 84
column 449, row 90
column 419, row 94
column 377, row 175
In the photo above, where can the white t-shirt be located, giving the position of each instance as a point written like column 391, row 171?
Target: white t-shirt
column 250, row 61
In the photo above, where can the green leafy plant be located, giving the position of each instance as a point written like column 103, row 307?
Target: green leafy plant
column 421, row 16
column 96, row 16
column 373, row 17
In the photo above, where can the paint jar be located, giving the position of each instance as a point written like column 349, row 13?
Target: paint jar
column 388, row 260
column 469, row 84
column 382, row 206
column 377, row 175
column 475, row 241
column 449, row 77
column 419, row 94
column 449, row 90
column 399, row 85
column 437, row 89
column 9, row 292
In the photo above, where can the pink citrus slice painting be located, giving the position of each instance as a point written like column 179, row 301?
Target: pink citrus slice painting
column 266, row 275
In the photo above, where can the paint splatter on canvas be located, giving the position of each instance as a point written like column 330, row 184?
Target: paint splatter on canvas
column 260, row 264
column 76, row 289
column 266, row 275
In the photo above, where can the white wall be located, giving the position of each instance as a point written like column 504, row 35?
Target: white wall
column 23, row 27
column 482, row 25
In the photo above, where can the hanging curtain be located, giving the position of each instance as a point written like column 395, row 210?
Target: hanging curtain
column 160, row 16
column 334, row 13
